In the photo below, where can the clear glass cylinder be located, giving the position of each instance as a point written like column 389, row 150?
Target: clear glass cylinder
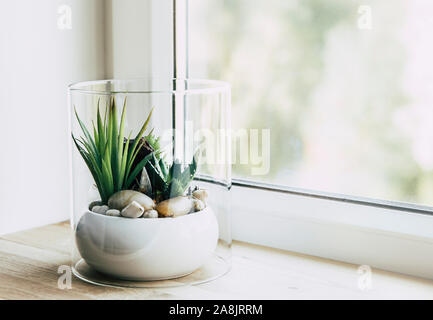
column 151, row 174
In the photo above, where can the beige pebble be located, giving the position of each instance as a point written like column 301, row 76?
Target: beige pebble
column 122, row 199
column 201, row 194
column 199, row 205
column 151, row 214
column 113, row 213
column 175, row 207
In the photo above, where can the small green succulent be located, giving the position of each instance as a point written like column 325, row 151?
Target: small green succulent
column 110, row 157
column 169, row 182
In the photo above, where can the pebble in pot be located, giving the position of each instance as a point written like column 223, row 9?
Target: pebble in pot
column 113, row 213
column 199, row 205
column 151, row 214
column 95, row 203
column 122, row 199
column 100, row 209
column 132, row 210
column 175, row 207
column 200, row 194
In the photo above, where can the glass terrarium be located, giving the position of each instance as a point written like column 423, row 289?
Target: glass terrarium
column 151, row 168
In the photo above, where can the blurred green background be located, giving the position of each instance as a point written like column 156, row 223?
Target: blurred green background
column 349, row 108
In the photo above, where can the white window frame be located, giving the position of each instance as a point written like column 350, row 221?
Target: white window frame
column 386, row 235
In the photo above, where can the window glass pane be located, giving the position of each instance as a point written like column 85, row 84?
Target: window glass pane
column 345, row 87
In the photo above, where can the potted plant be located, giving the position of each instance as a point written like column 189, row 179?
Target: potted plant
column 149, row 223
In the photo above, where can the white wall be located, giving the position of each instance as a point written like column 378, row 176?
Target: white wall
column 139, row 38
column 108, row 39
column 37, row 62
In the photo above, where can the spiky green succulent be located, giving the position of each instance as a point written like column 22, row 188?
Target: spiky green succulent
column 167, row 181
column 110, row 157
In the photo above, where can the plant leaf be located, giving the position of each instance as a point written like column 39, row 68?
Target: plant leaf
column 140, row 134
column 137, row 170
column 124, row 161
column 86, row 132
column 120, row 150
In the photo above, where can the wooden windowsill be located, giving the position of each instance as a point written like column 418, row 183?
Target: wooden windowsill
column 29, row 261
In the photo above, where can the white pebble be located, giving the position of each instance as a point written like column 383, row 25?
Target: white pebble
column 133, row 210
column 113, row 213
column 96, row 209
column 100, row 209
column 152, row 214
column 104, row 209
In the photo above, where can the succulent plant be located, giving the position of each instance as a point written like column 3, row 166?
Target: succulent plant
column 169, row 182
column 111, row 159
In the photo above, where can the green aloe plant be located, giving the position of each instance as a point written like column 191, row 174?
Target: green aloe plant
column 108, row 155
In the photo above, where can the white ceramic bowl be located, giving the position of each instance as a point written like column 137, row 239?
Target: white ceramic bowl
column 147, row 249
